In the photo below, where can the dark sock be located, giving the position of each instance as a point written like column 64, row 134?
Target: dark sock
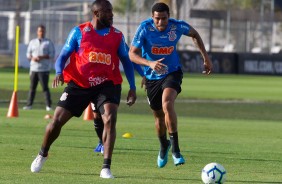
column 107, row 163
column 174, row 144
column 99, row 128
column 164, row 144
column 44, row 151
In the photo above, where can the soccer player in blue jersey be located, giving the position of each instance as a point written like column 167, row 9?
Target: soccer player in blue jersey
column 154, row 47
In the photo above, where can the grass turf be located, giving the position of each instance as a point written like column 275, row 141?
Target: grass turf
column 241, row 131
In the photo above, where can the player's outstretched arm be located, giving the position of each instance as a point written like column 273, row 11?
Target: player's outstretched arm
column 72, row 44
column 59, row 67
column 138, row 68
column 135, row 57
column 199, row 43
column 129, row 72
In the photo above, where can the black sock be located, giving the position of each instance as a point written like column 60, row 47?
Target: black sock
column 164, row 144
column 107, row 163
column 174, row 144
column 99, row 128
column 44, row 151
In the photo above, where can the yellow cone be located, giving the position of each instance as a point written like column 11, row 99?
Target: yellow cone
column 127, row 135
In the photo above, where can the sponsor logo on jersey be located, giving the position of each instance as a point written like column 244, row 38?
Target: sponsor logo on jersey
column 99, row 57
column 184, row 26
column 86, row 29
column 173, row 27
column 171, row 35
column 162, row 50
column 163, row 36
column 94, row 81
column 150, row 28
column 136, row 39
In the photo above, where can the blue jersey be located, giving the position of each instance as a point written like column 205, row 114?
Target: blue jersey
column 73, row 44
column 157, row 44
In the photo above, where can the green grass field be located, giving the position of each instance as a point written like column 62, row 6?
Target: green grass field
column 234, row 120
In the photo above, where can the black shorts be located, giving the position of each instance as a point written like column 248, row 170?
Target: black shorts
column 155, row 88
column 117, row 93
column 76, row 99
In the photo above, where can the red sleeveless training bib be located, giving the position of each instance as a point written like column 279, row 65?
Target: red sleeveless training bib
column 97, row 60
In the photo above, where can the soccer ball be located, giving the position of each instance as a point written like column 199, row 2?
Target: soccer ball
column 213, row 173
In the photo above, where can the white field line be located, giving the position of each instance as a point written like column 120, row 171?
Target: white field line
column 216, row 101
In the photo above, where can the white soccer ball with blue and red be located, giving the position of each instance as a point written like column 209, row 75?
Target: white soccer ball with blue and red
column 213, row 173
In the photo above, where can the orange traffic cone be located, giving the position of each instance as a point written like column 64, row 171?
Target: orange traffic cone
column 88, row 113
column 13, row 108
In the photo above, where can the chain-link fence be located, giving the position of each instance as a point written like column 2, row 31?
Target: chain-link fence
column 222, row 25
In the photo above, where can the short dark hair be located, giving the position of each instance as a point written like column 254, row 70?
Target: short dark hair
column 98, row 3
column 41, row 26
column 160, row 7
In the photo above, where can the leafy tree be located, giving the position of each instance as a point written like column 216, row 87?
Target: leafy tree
column 122, row 6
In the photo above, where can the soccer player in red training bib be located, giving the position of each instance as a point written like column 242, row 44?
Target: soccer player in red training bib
column 156, row 38
column 95, row 49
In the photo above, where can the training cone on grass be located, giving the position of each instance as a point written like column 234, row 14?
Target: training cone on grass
column 88, row 113
column 13, row 108
column 127, row 135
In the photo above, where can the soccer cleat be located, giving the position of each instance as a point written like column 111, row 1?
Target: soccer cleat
column 99, row 148
column 37, row 164
column 162, row 161
column 106, row 173
column 48, row 108
column 28, row 107
column 178, row 161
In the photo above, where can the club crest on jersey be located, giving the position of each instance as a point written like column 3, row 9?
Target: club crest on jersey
column 171, row 36
column 99, row 57
column 86, row 29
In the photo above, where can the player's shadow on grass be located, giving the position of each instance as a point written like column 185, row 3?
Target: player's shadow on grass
column 159, row 178
column 212, row 152
column 120, row 176
column 136, row 149
column 69, row 173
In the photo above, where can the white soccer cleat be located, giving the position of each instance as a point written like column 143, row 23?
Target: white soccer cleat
column 37, row 163
column 106, row 173
column 48, row 108
column 27, row 107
